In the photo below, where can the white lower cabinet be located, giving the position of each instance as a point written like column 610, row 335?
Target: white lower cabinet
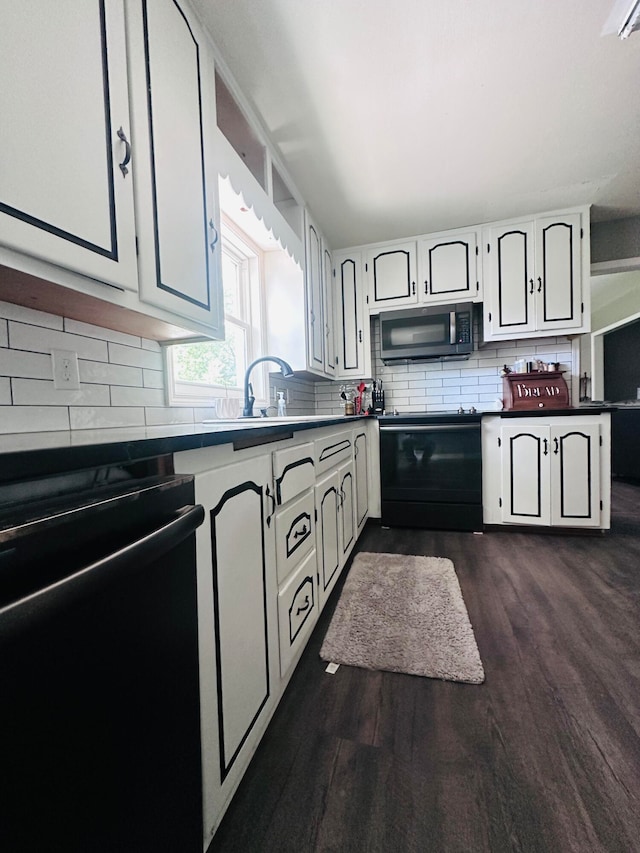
column 547, row 472
column 237, row 615
column 280, row 523
column 361, row 471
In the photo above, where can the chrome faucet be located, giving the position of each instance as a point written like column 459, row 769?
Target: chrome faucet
column 249, row 399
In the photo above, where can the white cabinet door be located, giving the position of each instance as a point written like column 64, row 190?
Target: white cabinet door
column 237, row 617
column 64, row 197
column 298, row 610
column 558, row 272
column 525, row 475
column 535, row 271
column 448, row 268
column 328, row 546
column 551, row 475
column 347, row 508
column 315, row 307
column 352, row 325
column 509, row 307
column 575, row 481
column 391, row 275
column 171, row 82
column 361, row 469
column 330, row 354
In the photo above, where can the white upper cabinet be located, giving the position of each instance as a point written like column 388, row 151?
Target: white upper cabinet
column 391, row 275
column 66, row 178
column 172, row 96
column 330, row 353
column 535, row 270
column 315, row 307
column 448, row 268
column 352, row 321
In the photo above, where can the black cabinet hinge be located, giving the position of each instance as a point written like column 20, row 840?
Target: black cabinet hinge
column 489, row 316
column 477, row 250
column 316, row 512
column 477, row 286
column 582, row 307
column 601, row 505
column 137, row 248
column 488, row 247
column 366, row 267
column 581, row 233
column 499, row 501
column 499, row 442
column 600, row 441
column 367, row 299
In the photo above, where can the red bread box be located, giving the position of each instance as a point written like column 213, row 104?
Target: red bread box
column 538, row 390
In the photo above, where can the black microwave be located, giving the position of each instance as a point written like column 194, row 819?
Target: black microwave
column 432, row 333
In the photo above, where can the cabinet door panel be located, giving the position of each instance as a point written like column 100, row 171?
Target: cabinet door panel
column 176, row 189
column 348, row 508
column 525, row 475
column 329, row 315
column 361, row 465
column 392, row 275
column 575, row 492
column 512, row 279
column 298, row 610
column 315, row 318
column 558, row 272
column 448, row 268
column 353, row 339
column 328, row 533
column 63, row 197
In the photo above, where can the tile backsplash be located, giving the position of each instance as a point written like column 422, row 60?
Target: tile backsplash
column 436, row 387
column 122, row 381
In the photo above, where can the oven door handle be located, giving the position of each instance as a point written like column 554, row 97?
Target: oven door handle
column 429, row 427
column 131, row 557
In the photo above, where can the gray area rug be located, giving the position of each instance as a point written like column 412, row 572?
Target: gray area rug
column 404, row 614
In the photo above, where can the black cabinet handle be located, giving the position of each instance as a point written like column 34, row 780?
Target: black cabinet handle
column 127, row 152
column 531, row 283
column 426, row 286
column 539, row 284
column 299, row 533
column 273, row 505
column 360, row 335
column 305, row 607
column 413, row 288
column 546, row 447
column 555, row 446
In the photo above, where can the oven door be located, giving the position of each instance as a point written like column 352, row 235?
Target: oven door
column 431, row 475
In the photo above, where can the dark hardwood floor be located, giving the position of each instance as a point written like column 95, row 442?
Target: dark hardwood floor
column 544, row 756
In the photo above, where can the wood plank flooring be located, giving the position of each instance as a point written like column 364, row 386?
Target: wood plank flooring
column 544, row 756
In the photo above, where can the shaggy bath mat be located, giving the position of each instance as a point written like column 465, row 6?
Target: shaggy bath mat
column 404, row 614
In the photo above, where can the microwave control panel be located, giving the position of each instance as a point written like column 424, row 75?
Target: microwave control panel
column 463, row 328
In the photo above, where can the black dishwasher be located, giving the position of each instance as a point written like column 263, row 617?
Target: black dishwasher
column 99, row 692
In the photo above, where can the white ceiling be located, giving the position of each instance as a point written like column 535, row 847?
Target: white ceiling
column 406, row 117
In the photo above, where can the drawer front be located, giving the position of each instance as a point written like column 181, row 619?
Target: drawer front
column 295, row 534
column 332, row 450
column 298, row 610
column 293, row 471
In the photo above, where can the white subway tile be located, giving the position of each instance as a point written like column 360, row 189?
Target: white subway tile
column 173, row 415
column 153, row 346
column 103, row 373
column 91, row 331
column 30, row 315
column 453, row 380
column 89, row 417
column 34, row 392
column 33, row 419
column 5, row 392
column 36, row 339
column 31, row 365
column 451, row 372
column 4, row 336
column 119, row 354
column 152, row 378
column 126, row 396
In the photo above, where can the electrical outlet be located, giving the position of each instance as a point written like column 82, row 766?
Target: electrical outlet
column 66, row 375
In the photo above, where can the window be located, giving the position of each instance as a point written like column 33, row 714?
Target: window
column 203, row 373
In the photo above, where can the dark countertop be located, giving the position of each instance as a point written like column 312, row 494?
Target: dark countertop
column 26, row 456
column 39, row 454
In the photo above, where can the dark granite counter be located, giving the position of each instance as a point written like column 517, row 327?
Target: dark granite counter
column 39, row 454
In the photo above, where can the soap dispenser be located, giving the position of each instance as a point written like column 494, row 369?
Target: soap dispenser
column 282, row 406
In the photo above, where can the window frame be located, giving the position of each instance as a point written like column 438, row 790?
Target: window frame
column 186, row 393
